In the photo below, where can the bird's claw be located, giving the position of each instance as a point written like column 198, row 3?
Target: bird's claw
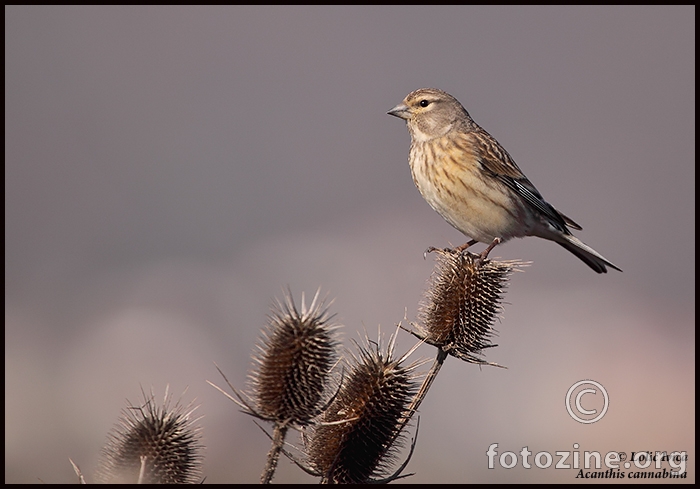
column 430, row 249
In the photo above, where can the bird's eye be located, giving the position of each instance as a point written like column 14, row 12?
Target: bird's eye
column 424, row 103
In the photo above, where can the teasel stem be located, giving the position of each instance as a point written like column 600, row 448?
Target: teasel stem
column 278, row 434
column 425, row 386
column 78, row 472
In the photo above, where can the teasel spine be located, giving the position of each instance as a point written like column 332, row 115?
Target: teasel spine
column 294, row 363
column 153, row 444
column 356, row 437
column 461, row 303
column 464, row 295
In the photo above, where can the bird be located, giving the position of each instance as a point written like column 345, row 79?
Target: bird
column 474, row 184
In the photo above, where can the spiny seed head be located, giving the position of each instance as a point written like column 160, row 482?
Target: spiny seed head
column 297, row 354
column 357, row 435
column 463, row 298
column 153, row 445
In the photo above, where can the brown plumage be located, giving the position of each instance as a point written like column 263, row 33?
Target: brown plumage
column 474, row 184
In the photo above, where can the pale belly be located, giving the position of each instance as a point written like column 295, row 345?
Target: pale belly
column 480, row 209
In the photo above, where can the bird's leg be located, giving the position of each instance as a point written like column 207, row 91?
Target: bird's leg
column 466, row 245
column 484, row 254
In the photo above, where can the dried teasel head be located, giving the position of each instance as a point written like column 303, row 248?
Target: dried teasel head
column 357, row 435
column 297, row 354
column 461, row 303
column 153, row 445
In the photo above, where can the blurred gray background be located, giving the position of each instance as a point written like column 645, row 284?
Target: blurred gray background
column 169, row 170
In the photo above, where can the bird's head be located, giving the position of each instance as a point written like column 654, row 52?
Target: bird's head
column 430, row 113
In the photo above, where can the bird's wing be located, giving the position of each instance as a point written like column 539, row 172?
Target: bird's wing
column 496, row 161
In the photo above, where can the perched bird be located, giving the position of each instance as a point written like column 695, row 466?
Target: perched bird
column 474, row 184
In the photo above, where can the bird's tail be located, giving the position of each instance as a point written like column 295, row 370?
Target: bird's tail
column 585, row 253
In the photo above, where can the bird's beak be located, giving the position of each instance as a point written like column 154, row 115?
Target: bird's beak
column 401, row 111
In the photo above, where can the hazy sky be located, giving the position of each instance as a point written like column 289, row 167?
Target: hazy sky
column 168, row 170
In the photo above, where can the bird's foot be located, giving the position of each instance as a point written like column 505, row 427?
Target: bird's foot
column 484, row 254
